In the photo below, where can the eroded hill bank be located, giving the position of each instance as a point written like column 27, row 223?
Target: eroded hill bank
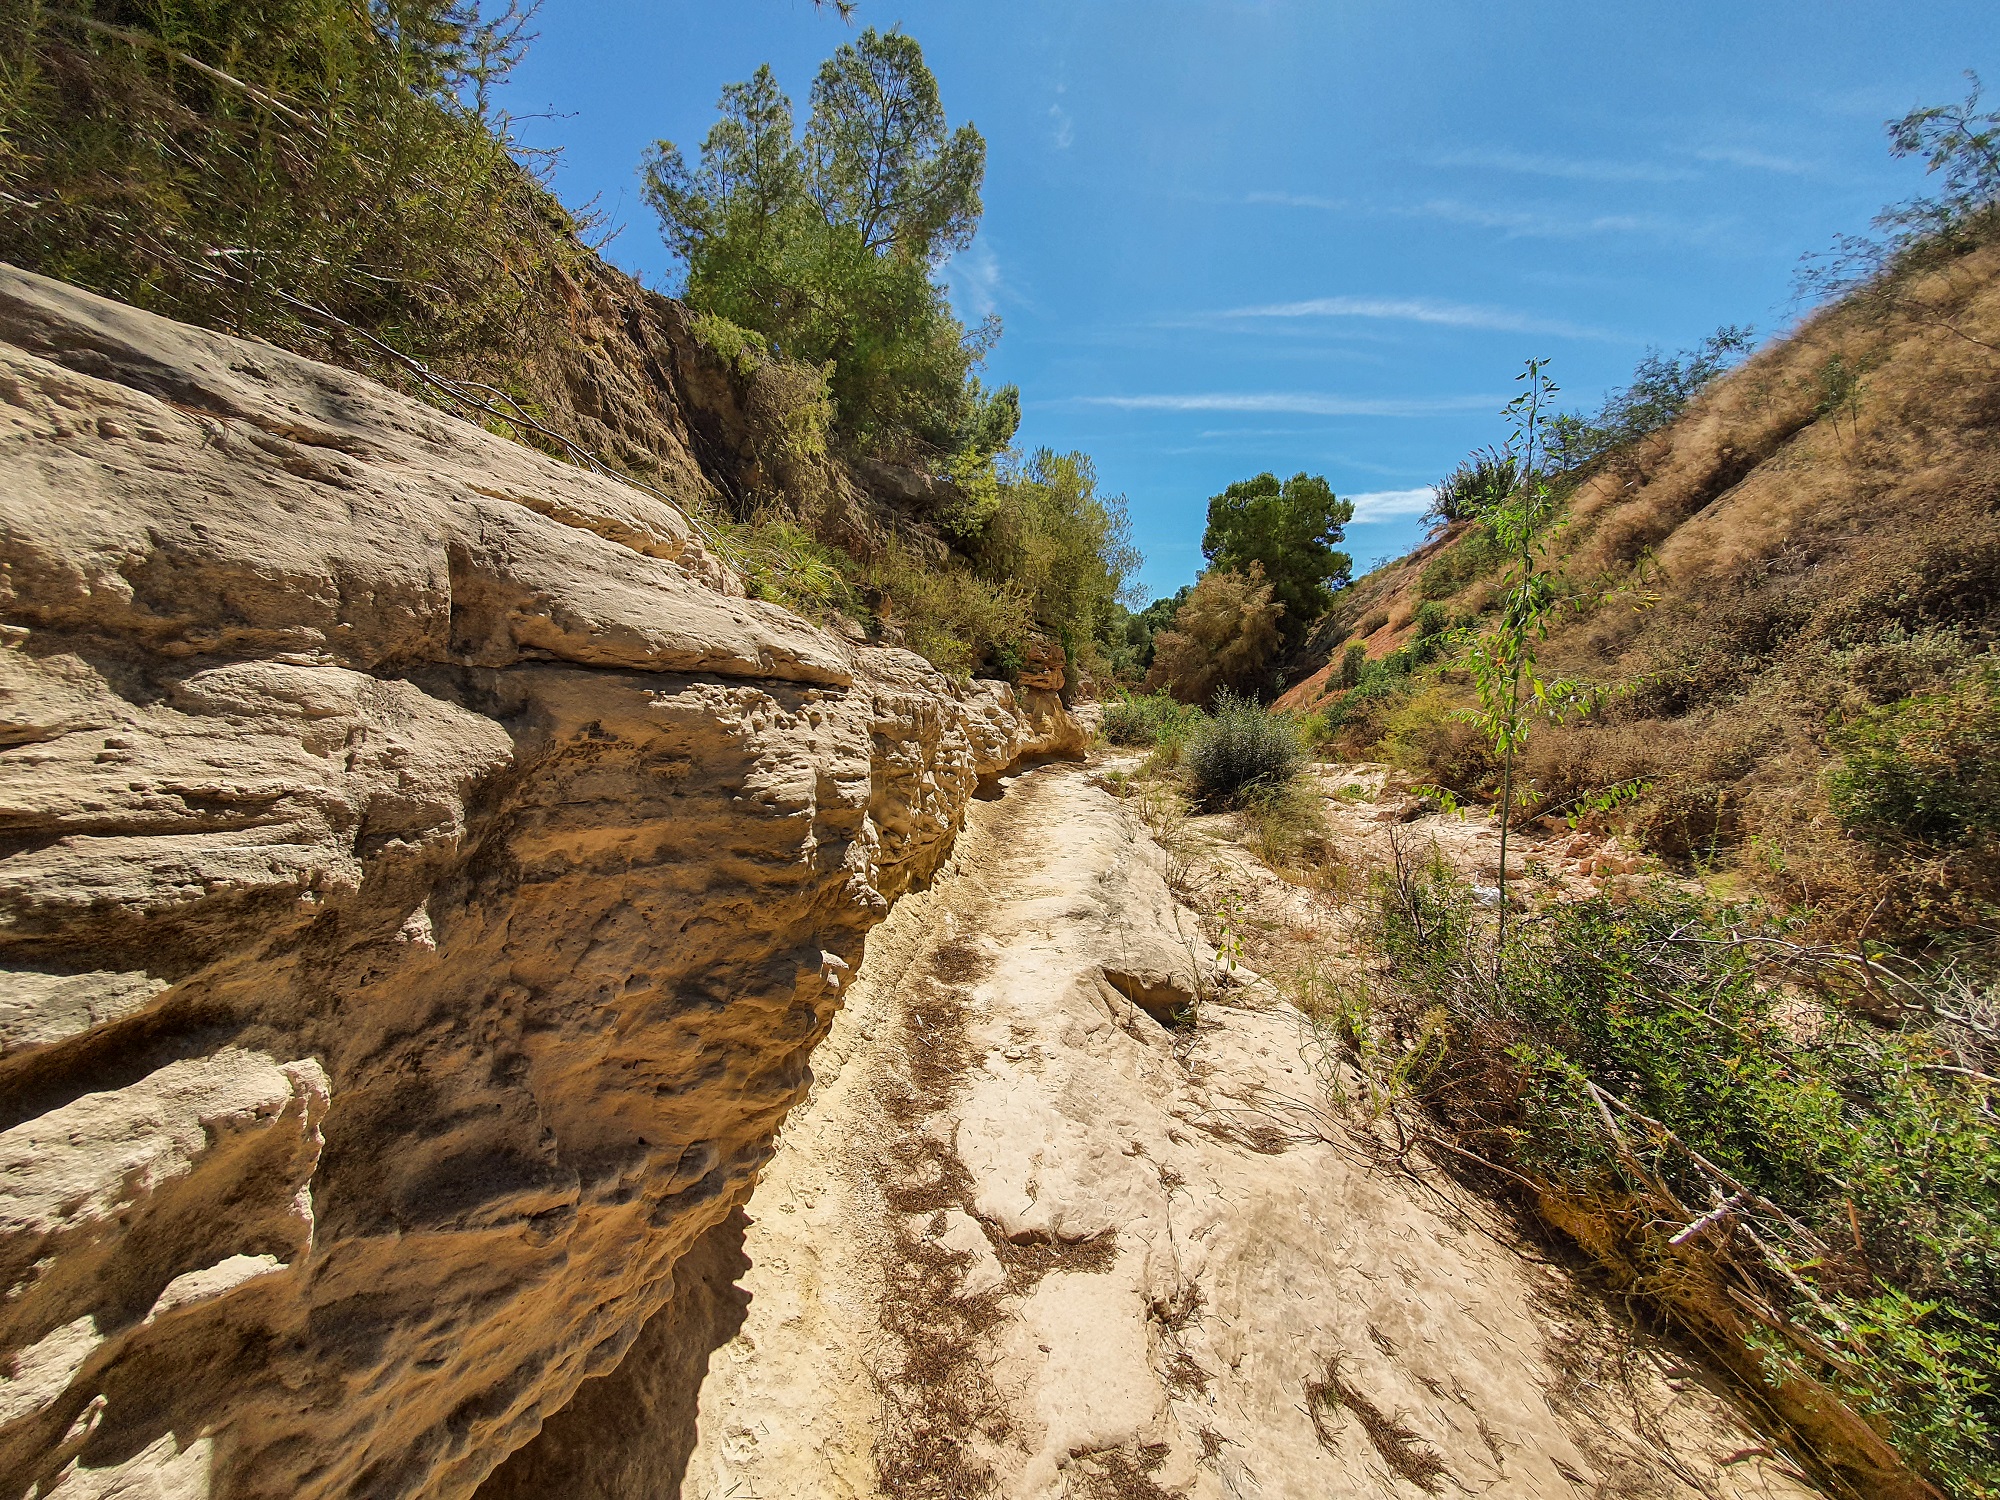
column 1781, row 610
column 425, row 877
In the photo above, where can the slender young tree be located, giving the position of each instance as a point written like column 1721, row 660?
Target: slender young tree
column 1512, row 697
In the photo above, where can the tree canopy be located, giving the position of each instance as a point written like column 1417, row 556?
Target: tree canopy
column 1289, row 529
column 1222, row 640
column 827, row 242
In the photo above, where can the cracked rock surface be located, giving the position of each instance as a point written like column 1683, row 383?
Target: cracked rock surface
column 423, row 878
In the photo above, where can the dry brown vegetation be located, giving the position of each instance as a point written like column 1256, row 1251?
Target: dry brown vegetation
column 1807, row 561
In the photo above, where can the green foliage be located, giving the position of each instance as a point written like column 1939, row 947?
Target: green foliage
column 1960, row 145
column 1662, row 387
column 1223, row 639
column 946, row 612
column 1924, row 771
column 1352, row 663
column 278, row 169
column 1149, row 719
column 1864, row 1161
column 1512, row 697
column 741, row 348
column 1478, row 485
column 1239, row 752
column 1066, row 549
column 827, row 243
column 1288, row 529
column 781, row 562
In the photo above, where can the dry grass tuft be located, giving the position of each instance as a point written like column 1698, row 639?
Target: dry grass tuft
column 1119, row 1474
column 1406, row 1454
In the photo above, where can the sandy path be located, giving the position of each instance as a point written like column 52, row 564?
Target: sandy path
column 1026, row 1239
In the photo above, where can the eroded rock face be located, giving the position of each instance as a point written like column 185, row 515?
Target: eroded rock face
column 423, row 878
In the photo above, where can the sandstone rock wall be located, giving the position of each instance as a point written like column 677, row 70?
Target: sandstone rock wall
column 423, row 878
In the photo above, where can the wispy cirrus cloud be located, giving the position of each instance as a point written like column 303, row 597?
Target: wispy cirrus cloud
column 1390, row 505
column 1568, row 168
column 1298, row 403
column 1533, row 223
column 1297, row 200
column 1547, row 223
column 1757, row 161
column 1424, row 310
column 975, row 280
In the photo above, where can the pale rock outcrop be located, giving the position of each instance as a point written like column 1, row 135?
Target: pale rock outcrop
column 423, row 877
column 1024, row 1241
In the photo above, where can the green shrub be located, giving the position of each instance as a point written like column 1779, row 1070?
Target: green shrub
column 1127, row 723
column 782, row 563
column 1239, row 751
column 947, row 613
column 1924, row 770
column 1152, row 719
column 1472, row 557
column 1640, row 1060
column 1352, row 661
column 1477, row 486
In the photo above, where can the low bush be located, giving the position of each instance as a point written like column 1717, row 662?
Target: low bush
column 947, row 613
column 1427, row 732
column 1924, row 770
column 1149, row 719
column 1240, row 751
column 1287, row 828
column 1470, row 558
column 1698, row 1102
column 781, row 562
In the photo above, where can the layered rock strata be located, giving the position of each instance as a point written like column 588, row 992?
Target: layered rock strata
column 423, row 878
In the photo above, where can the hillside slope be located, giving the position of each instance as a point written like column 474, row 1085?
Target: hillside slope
column 1789, row 600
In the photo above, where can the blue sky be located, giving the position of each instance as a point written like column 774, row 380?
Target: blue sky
column 1279, row 234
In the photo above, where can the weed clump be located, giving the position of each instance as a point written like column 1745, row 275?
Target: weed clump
column 1790, row 1150
column 1239, row 752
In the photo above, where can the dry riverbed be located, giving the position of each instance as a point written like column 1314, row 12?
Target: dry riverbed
column 1047, row 1228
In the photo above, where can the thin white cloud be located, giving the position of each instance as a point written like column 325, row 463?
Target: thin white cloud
column 1758, row 161
column 1390, row 505
column 1423, row 310
column 976, row 284
column 1530, row 223
column 1564, row 167
column 1302, row 403
column 1296, row 200
column 1546, row 223
column 1062, row 129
